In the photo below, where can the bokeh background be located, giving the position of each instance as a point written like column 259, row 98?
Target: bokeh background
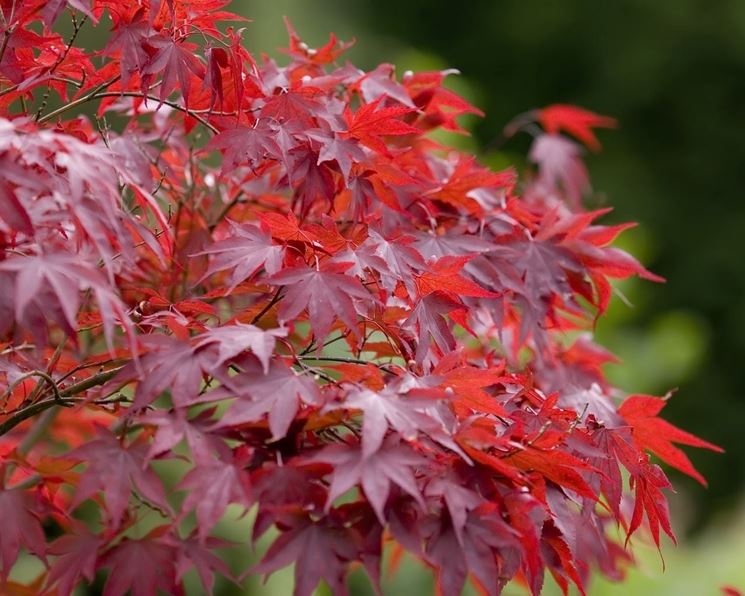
column 673, row 73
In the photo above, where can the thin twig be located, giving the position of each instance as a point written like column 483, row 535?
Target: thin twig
column 225, row 210
column 6, row 39
column 81, row 100
column 34, row 373
column 76, row 29
column 96, row 95
column 65, row 397
column 345, row 360
column 271, row 303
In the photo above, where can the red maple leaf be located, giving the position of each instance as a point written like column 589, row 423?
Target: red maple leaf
column 319, row 549
column 657, row 435
column 211, row 487
column 444, row 275
column 115, row 470
column 392, row 462
column 325, row 293
column 177, row 64
column 76, row 557
column 139, row 566
column 277, row 393
column 369, row 124
column 20, row 528
column 576, row 121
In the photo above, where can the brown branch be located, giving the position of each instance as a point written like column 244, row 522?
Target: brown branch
column 65, row 397
column 264, row 310
column 81, row 100
column 35, row 373
column 96, row 95
column 77, row 27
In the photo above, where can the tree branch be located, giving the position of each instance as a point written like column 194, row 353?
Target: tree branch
column 97, row 94
column 66, row 397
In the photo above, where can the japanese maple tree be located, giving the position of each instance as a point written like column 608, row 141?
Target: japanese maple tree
column 277, row 276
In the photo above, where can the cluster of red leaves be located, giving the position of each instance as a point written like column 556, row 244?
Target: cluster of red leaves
column 361, row 334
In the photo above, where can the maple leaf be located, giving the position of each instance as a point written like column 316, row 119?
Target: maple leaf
column 53, row 8
column 216, row 58
column 247, row 250
column 441, row 106
column 211, row 487
column 467, row 177
column 650, row 500
column 277, row 393
column 558, row 466
column 392, row 462
column 13, row 212
column 314, row 179
column 397, row 260
column 323, row 55
column 436, row 246
column 174, row 427
column 246, row 145
column 20, row 528
column 193, row 553
column 129, row 40
column 388, row 409
column 77, row 555
column 176, row 62
column 657, row 435
column 139, row 566
column 325, row 293
column 369, row 123
column 428, row 322
column 444, row 275
column 560, row 167
column 298, row 105
column 232, row 340
column 48, row 286
column 484, row 547
column 575, row 121
column 319, row 549
column 115, row 469
column 345, row 152
column 170, row 364
column 381, row 81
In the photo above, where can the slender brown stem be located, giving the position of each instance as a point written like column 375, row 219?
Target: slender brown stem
column 65, row 397
column 35, row 373
column 81, row 100
column 225, row 210
column 37, row 430
column 380, row 365
column 6, row 39
column 77, row 27
column 271, row 303
column 96, row 95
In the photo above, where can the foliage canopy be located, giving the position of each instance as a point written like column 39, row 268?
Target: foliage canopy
column 359, row 332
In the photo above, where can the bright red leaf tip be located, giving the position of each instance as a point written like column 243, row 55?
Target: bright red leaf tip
column 657, row 435
column 576, row 121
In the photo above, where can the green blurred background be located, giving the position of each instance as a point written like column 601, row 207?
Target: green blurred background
column 673, row 73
